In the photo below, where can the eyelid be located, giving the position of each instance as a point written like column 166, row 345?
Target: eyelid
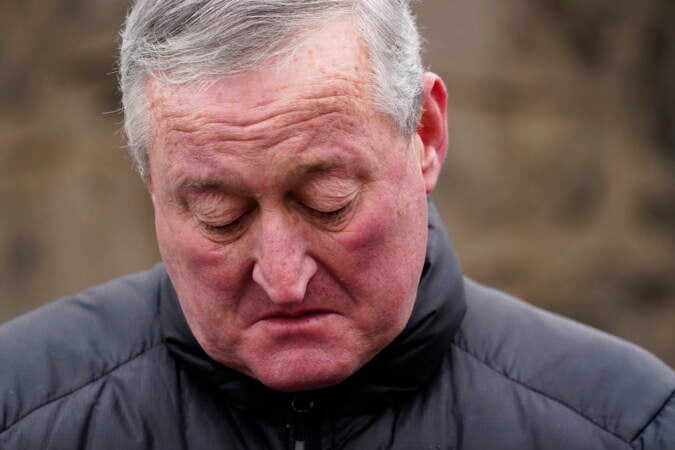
column 230, row 229
column 213, row 207
column 334, row 219
column 221, row 227
column 328, row 209
column 319, row 184
column 334, row 214
column 328, row 199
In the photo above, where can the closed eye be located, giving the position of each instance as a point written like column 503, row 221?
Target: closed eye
column 223, row 229
column 229, row 228
column 327, row 217
column 329, row 214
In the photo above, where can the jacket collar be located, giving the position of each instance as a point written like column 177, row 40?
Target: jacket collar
column 398, row 370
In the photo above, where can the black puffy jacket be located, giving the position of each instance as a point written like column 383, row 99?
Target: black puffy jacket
column 116, row 367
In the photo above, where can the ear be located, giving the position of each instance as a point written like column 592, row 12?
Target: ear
column 433, row 129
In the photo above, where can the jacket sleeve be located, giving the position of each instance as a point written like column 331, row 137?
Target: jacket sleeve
column 659, row 434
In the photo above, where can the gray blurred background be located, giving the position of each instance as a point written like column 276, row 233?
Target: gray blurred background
column 558, row 185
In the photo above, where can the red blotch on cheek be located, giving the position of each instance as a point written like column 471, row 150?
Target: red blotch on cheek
column 367, row 240
column 367, row 233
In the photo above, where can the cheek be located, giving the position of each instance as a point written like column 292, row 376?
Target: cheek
column 193, row 259
column 381, row 256
column 207, row 281
column 392, row 221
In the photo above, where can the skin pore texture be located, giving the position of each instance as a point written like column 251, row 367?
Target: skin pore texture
column 292, row 216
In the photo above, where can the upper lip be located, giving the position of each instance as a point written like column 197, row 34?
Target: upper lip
column 293, row 313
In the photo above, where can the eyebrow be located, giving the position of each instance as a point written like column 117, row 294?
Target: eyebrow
column 203, row 186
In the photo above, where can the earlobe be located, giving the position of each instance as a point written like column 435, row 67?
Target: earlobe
column 433, row 129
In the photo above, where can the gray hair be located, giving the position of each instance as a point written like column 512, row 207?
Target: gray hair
column 180, row 41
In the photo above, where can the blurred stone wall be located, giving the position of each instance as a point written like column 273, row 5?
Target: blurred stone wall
column 558, row 186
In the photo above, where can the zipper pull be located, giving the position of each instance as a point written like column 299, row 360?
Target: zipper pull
column 301, row 404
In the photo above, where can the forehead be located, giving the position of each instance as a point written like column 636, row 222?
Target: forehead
column 329, row 68
column 315, row 104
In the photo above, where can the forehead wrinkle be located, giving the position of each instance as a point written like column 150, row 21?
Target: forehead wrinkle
column 175, row 102
column 281, row 129
column 191, row 121
column 304, row 117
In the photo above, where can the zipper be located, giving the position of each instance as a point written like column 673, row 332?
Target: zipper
column 299, row 424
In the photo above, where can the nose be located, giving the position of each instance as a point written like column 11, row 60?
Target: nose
column 283, row 268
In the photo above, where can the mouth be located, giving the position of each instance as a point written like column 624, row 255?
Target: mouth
column 296, row 318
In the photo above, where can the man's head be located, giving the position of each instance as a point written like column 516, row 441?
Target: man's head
column 290, row 201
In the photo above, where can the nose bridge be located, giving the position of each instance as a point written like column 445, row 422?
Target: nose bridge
column 283, row 266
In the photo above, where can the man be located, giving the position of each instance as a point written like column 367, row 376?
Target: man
column 308, row 296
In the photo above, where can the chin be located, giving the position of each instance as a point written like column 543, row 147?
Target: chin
column 302, row 370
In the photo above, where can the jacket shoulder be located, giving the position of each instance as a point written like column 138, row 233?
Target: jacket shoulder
column 56, row 350
column 611, row 383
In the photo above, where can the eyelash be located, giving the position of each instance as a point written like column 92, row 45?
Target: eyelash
column 334, row 215
column 228, row 228
column 236, row 225
column 222, row 229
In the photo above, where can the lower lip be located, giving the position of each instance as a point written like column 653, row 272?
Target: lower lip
column 295, row 322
